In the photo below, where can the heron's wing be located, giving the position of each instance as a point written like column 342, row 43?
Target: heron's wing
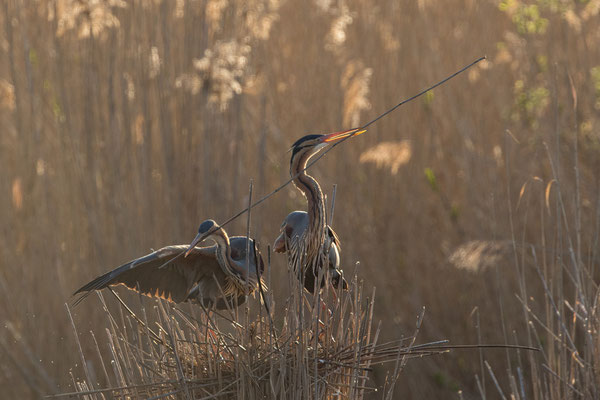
column 334, row 260
column 172, row 282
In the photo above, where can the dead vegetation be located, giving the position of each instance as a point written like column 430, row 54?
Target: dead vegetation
column 125, row 123
column 314, row 351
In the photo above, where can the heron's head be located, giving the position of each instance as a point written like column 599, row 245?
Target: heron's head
column 205, row 231
column 207, row 226
column 310, row 145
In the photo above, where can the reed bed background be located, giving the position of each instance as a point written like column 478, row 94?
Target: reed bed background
column 126, row 123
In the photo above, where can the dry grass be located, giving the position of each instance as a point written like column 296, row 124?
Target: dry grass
column 103, row 155
column 315, row 352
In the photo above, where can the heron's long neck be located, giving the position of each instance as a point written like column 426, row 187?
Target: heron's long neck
column 312, row 191
column 223, row 254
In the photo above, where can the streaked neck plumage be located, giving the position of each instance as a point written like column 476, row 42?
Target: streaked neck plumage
column 223, row 254
column 315, row 232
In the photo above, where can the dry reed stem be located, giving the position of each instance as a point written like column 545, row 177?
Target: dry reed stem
column 307, row 359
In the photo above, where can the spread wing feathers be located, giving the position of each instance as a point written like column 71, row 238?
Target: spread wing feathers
column 172, row 282
column 178, row 280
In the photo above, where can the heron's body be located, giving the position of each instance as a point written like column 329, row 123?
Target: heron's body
column 212, row 276
column 291, row 238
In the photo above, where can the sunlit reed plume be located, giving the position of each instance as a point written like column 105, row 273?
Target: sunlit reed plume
column 390, row 155
column 260, row 16
column 154, row 62
column 479, row 255
column 17, row 194
column 86, row 16
column 7, row 95
column 355, row 83
column 214, row 14
column 337, row 32
column 219, row 72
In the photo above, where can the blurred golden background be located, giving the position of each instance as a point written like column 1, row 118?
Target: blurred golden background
column 124, row 124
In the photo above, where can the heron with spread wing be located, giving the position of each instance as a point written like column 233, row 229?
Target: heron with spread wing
column 217, row 276
column 305, row 236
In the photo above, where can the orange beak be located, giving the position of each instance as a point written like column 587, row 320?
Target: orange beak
column 332, row 137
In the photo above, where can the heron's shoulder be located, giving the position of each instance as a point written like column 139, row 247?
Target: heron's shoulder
column 295, row 224
column 297, row 217
column 239, row 240
column 239, row 244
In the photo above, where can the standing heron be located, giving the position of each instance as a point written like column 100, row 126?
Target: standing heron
column 212, row 276
column 305, row 236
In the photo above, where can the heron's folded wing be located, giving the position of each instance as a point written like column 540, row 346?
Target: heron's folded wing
column 172, row 282
column 334, row 237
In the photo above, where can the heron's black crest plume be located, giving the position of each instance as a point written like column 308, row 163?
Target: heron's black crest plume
column 206, row 226
column 298, row 144
column 304, row 139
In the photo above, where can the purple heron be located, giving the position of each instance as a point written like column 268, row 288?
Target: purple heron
column 212, row 276
column 305, row 236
